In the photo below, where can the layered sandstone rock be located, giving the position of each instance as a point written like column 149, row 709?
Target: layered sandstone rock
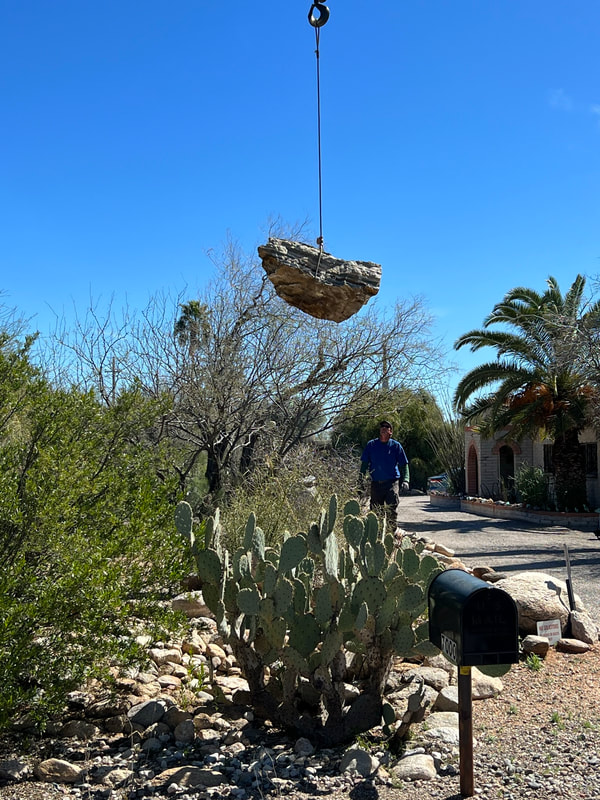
column 326, row 288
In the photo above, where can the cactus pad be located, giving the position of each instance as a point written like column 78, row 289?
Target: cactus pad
column 354, row 531
column 299, row 600
column 305, row 635
column 323, row 606
column 210, row 595
column 313, row 540
column 403, row 641
column 269, row 579
column 249, row 532
column 332, row 644
column 361, row 617
column 388, row 714
column 411, row 598
column 429, row 568
column 370, row 591
column 283, row 596
column 293, row 551
column 410, row 562
column 352, row 507
column 331, row 515
column 331, row 557
column 276, row 631
column 184, row 521
column 208, row 564
column 248, row 601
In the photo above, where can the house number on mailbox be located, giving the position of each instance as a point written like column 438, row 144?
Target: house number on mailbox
column 449, row 647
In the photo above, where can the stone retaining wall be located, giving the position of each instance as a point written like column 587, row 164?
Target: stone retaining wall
column 586, row 522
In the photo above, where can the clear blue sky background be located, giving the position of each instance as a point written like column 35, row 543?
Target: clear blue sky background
column 461, row 145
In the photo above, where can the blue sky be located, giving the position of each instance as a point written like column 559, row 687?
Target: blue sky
column 461, row 145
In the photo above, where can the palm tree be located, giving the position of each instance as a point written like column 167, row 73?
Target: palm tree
column 192, row 326
column 538, row 384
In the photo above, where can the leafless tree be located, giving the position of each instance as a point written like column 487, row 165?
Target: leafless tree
column 243, row 376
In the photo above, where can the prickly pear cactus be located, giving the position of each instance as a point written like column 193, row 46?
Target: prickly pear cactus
column 296, row 616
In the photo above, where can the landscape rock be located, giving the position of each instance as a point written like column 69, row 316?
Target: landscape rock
column 161, row 655
column 447, row 699
column 358, row 760
column 572, row 646
column 14, row 769
column 147, row 713
column 335, row 291
column 190, row 777
column 304, row 747
column 538, row 597
column 484, row 686
column 417, row 767
column 436, row 677
column 583, row 627
column 442, row 550
column 443, row 719
column 79, row 729
column 536, row 644
column 191, row 604
column 56, row 770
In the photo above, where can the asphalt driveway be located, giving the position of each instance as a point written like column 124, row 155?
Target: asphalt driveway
column 510, row 545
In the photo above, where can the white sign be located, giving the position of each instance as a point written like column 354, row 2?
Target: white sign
column 550, row 628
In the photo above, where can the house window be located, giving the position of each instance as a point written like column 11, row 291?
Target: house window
column 548, row 460
column 589, row 453
column 589, row 457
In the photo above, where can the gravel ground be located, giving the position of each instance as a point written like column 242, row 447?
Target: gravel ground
column 540, row 738
column 510, row 545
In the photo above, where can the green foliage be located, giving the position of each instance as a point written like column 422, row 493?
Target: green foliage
column 531, row 486
column 358, row 595
column 534, row 662
column 415, row 417
column 447, row 440
column 288, row 495
column 539, row 381
column 82, row 520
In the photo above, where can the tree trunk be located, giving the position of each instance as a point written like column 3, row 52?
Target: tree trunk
column 569, row 473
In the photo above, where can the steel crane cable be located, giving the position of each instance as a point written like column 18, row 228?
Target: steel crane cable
column 317, row 23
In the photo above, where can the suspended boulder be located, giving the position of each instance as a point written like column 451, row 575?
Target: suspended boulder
column 329, row 288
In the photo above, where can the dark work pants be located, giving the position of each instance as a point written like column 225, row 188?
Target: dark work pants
column 385, row 495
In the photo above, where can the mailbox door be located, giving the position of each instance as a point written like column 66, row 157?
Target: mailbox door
column 490, row 628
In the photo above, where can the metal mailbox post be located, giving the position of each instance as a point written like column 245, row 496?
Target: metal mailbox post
column 474, row 624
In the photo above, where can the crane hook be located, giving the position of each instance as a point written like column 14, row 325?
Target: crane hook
column 319, row 21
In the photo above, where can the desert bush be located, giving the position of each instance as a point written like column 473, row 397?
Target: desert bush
column 84, row 524
column 288, row 494
column 531, row 487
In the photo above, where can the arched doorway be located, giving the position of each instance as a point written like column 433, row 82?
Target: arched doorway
column 472, row 472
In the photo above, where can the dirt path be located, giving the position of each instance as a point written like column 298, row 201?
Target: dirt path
column 510, row 545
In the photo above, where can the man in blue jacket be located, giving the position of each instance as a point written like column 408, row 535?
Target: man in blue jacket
column 385, row 460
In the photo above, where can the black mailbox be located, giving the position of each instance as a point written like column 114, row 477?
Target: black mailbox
column 471, row 621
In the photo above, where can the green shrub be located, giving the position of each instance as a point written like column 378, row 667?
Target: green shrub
column 82, row 536
column 531, row 486
column 288, row 496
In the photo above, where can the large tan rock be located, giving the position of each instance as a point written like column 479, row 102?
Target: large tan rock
column 538, row 597
column 56, row 770
column 331, row 289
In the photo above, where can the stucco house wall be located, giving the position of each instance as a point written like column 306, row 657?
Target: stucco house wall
column 485, row 459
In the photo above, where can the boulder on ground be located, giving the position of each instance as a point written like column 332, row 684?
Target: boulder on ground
column 539, row 597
